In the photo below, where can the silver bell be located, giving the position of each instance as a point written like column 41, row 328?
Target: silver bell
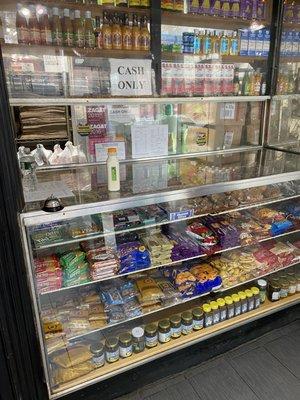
column 52, row 204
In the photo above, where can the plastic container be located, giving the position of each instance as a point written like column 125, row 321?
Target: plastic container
column 244, row 302
column 284, row 287
column 273, row 290
column 262, row 285
column 229, row 306
column 208, row 315
column 125, row 345
column 222, row 308
column 292, row 285
column 138, row 339
column 250, row 299
column 98, row 358
column 112, row 349
column 256, row 295
column 216, row 312
column 164, row 331
column 237, row 304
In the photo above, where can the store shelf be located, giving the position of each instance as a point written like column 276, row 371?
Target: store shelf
column 158, row 224
column 96, row 9
column 286, row 96
column 183, row 301
column 161, row 350
column 165, row 55
column 290, row 59
column 204, row 21
column 36, row 50
column 63, row 101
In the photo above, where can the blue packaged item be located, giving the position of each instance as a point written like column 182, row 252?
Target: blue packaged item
column 266, row 42
column 283, row 43
column 277, row 228
column 116, row 314
column 111, row 296
column 128, row 290
column 251, row 43
column 259, row 42
column 135, row 260
column 289, row 43
column 244, row 42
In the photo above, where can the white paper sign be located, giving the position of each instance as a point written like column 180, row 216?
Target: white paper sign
column 123, row 113
column 45, row 189
column 150, row 176
column 227, row 111
column 149, row 140
column 130, row 77
column 101, row 150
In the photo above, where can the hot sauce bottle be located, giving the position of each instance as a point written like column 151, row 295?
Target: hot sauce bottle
column 126, row 34
column 98, row 33
column 45, row 28
column 67, row 29
column 116, row 33
column 34, row 28
column 106, row 32
column 145, row 35
column 22, row 26
column 136, row 33
column 57, row 38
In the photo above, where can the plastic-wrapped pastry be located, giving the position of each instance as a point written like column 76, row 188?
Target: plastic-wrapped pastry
column 72, row 356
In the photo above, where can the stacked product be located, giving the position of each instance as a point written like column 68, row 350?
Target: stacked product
column 75, row 268
column 160, row 248
column 133, row 256
column 228, row 235
column 48, row 273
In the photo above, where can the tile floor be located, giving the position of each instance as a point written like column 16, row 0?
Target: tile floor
column 267, row 368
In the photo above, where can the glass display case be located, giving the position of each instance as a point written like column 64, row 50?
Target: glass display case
column 203, row 235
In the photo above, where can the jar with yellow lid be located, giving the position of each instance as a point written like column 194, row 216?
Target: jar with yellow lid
column 256, row 296
column 216, row 312
column 244, row 302
column 237, row 304
column 222, row 308
column 208, row 315
column 250, row 299
column 229, row 306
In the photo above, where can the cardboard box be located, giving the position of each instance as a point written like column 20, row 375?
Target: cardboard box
column 231, row 113
column 225, row 137
column 253, row 133
column 194, row 139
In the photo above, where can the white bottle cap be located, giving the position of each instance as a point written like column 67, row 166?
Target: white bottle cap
column 137, row 332
column 88, row 14
column 66, row 12
column 77, row 13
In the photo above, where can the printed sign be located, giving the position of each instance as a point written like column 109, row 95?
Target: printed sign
column 149, row 140
column 101, row 150
column 130, row 77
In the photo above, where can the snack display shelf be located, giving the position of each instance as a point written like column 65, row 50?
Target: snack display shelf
column 286, row 96
column 165, row 55
column 161, row 350
column 205, row 21
column 162, row 223
column 12, row 49
column 72, row 101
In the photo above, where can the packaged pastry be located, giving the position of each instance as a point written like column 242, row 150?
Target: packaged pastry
column 110, row 295
column 62, row 375
column 169, row 291
column 200, row 232
column 82, row 227
column 48, row 233
column 148, row 289
column 72, row 356
column 183, row 280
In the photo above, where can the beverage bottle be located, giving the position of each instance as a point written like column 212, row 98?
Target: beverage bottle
column 106, row 32
column 215, row 7
column 57, row 37
column 246, row 84
column 113, row 170
column 28, row 166
column 33, row 25
column 136, row 33
column 207, row 45
column 224, row 45
column 206, row 7
column 126, row 34
column 257, row 83
column 236, row 82
column 263, row 86
column 234, row 44
column 215, row 43
column 22, row 26
column 78, row 30
column 89, row 35
column 144, row 35
column 235, row 8
column 196, row 42
column 45, row 28
column 170, row 119
column 116, row 33
column 67, row 29
column 225, row 8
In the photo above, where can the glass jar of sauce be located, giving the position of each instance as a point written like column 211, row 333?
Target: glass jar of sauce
column 198, row 318
column 138, row 339
column 151, row 337
column 125, row 345
column 237, row 304
column 98, row 358
column 262, row 285
column 250, row 299
column 208, row 315
column 112, row 349
column 216, row 312
column 175, row 322
column 186, row 322
column 292, row 284
column 164, row 331
column 284, row 287
column 244, row 302
column 256, row 296
column 273, row 290
column 222, row 308
column 229, row 306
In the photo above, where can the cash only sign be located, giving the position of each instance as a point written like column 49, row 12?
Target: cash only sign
column 130, row 77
